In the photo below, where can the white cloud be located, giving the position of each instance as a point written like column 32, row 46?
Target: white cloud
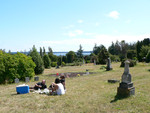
column 80, row 21
column 79, row 32
column 74, row 33
column 114, row 14
column 88, row 43
column 68, row 27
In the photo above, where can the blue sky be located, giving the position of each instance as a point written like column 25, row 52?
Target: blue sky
column 65, row 24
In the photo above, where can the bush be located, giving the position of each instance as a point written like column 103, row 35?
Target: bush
column 37, row 60
column 25, row 66
column 15, row 66
column 54, row 64
column 132, row 63
column 148, row 57
column 114, row 58
column 63, row 64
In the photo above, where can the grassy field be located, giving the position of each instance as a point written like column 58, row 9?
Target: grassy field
column 85, row 94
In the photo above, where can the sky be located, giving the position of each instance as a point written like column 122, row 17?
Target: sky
column 65, row 24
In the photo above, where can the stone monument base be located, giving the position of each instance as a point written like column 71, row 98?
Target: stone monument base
column 125, row 89
column 108, row 69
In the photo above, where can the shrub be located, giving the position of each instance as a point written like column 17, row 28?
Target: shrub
column 148, row 57
column 54, row 64
column 114, row 58
column 15, row 66
column 63, row 64
column 132, row 63
column 25, row 66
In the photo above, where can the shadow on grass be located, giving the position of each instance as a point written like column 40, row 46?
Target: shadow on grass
column 117, row 97
column 16, row 94
column 149, row 70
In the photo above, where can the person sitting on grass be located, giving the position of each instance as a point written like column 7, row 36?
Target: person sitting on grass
column 62, row 80
column 41, row 85
column 57, row 88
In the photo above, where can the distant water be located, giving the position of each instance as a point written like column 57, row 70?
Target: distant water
column 64, row 53
column 58, row 53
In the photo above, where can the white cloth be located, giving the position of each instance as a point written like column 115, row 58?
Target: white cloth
column 60, row 90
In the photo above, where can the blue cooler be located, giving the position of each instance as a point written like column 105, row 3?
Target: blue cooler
column 22, row 89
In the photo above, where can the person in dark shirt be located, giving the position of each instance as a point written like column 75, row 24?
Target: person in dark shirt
column 62, row 80
column 41, row 85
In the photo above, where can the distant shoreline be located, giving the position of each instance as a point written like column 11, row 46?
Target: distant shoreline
column 58, row 53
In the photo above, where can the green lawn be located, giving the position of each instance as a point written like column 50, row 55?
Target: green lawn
column 85, row 94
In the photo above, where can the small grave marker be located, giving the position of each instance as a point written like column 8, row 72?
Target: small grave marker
column 27, row 79
column 36, row 78
column 109, row 67
column 16, row 80
column 87, row 72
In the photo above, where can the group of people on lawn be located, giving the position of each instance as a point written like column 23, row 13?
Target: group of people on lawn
column 57, row 87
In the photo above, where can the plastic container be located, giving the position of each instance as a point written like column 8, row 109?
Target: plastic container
column 22, row 89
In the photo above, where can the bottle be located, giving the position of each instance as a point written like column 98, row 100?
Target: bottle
column 39, row 90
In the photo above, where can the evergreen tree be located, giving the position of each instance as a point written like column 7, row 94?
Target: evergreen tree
column 148, row 57
column 80, row 52
column 44, row 51
column 111, row 49
column 71, row 56
column 144, row 51
column 37, row 60
column 97, row 49
column 102, row 56
column 41, row 53
column 47, row 61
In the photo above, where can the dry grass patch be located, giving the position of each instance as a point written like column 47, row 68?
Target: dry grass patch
column 85, row 94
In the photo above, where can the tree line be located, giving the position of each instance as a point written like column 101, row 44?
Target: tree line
column 20, row 65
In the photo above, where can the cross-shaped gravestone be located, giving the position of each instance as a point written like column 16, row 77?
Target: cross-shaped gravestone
column 16, row 80
column 36, row 78
column 27, row 79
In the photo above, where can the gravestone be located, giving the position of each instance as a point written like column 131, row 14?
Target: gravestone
column 57, row 67
column 94, row 62
column 83, row 61
column 27, row 79
column 36, row 78
column 16, row 80
column 126, row 86
column 109, row 67
column 87, row 72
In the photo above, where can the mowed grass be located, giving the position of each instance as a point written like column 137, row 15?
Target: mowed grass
column 85, row 94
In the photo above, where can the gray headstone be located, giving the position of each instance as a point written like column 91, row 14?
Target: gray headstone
column 83, row 61
column 36, row 78
column 16, row 80
column 87, row 72
column 27, row 79
column 109, row 67
column 126, row 77
column 94, row 62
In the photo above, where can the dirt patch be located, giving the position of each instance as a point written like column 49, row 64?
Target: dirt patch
column 71, row 74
